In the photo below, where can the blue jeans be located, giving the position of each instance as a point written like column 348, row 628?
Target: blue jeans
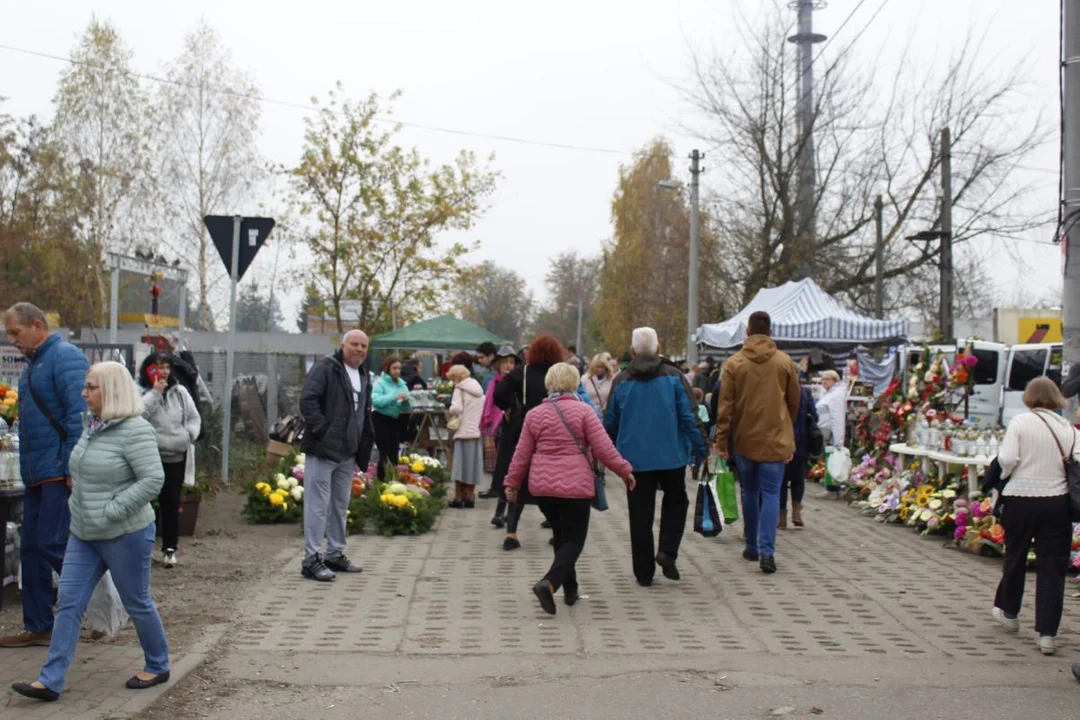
column 43, row 537
column 128, row 559
column 761, row 502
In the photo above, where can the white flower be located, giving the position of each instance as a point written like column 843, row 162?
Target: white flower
column 297, row 493
column 301, row 458
column 293, row 482
column 282, row 483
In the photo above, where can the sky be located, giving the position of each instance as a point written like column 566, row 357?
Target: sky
column 600, row 75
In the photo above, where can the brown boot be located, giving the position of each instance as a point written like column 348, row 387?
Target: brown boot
column 782, row 525
column 796, row 514
column 26, row 639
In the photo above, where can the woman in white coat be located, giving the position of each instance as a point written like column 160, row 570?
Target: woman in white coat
column 832, row 409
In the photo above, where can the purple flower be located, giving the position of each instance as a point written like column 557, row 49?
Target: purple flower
column 971, row 361
column 961, row 531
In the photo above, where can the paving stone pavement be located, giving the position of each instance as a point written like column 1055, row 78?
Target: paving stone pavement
column 847, row 587
column 95, row 683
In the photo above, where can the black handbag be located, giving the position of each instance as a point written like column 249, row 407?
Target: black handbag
column 1072, row 471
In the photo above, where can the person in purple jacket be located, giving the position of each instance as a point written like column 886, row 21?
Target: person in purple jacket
column 795, row 471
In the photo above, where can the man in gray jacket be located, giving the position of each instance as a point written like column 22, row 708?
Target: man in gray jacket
column 336, row 405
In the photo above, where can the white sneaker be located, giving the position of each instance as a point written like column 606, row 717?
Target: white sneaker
column 1010, row 624
column 1046, row 645
column 168, row 558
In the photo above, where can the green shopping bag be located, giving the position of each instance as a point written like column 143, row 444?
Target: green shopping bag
column 724, row 480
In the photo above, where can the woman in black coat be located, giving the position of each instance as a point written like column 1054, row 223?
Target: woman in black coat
column 521, row 391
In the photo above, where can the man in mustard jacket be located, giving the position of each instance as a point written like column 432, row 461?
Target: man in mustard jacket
column 759, row 395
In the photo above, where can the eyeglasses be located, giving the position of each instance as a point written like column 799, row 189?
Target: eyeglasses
column 91, row 388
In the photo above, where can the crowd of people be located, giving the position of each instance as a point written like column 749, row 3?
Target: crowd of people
column 97, row 450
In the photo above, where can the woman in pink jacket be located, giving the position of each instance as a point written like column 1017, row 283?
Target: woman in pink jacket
column 467, row 403
column 561, row 475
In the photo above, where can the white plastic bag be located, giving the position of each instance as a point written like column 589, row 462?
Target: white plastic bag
column 106, row 612
column 837, row 466
column 189, row 468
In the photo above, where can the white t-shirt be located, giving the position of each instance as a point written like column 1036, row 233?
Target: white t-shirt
column 354, row 378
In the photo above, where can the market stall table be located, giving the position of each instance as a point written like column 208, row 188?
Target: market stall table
column 10, row 499
column 432, row 432
column 944, row 459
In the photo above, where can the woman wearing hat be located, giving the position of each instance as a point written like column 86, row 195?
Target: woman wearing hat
column 491, row 425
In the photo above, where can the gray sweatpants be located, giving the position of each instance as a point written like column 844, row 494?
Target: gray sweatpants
column 327, row 491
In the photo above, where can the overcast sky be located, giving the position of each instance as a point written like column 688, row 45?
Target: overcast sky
column 590, row 73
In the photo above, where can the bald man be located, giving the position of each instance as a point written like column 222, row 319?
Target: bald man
column 336, row 405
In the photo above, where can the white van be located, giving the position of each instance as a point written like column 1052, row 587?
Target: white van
column 1027, row 362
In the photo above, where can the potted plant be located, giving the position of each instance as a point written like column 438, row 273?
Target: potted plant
column 189, row 505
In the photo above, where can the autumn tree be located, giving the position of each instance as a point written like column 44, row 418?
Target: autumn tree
column 99, row 124
column 206, row 120
column 42, row 204
column 258, row 310
column 496, row 298
column 572, row 278
column 374, row 212
column 874, row 134
column 312, row 305
column 645, row 267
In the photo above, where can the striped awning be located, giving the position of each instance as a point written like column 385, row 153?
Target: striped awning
column 803, row 315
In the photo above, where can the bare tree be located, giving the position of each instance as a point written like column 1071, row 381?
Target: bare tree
column 571, row 279
column 100, row 110
column 866, row 144
column 206, row 121
column 496, row 298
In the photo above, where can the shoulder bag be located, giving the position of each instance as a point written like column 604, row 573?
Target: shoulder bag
column 60, row 429
column 1072, row 470
column 599, row 500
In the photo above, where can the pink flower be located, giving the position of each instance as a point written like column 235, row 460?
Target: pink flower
column 962, row 518
column 976, row 511
column 961, row 531
column 971, row 361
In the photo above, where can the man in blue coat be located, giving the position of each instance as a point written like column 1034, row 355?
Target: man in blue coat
column 651, row 419
column 50, row 424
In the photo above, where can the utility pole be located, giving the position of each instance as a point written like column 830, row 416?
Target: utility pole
column 1070, row 69
column 580, row 324
column 947, row 330
column 879, row 260
column 695, row 225
column 806, row 196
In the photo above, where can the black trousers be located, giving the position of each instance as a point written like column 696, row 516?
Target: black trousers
column 642, row 506
column 169, row 499
column 387, row 439
column 1046, row 522
column 569, row 520
column 795, row 479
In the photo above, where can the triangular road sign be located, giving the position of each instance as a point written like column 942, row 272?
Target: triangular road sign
column 253, row 233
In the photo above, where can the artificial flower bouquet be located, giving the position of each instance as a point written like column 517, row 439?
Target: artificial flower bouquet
column 9, row 404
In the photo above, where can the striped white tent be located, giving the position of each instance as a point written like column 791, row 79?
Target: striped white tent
column 803, row 316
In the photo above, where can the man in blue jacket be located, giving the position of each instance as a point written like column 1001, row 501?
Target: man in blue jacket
column 650, row 416
column 50, row 424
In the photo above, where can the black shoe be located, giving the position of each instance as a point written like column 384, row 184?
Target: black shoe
column 751, row 555
column 667, row 565
column 644, row 583
column 543, row 594
column 317, row 570
column 488, row 495
column 136, row 683
column 469, row 504
column 570, row 596
column 341, row 564
column 768, row 564
column 28, row 690
column 551, row 542
column 498, row 521
column 457, row 504
column 546, row 525
column 511, row 544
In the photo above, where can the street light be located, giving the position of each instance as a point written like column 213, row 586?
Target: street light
column 692, row 284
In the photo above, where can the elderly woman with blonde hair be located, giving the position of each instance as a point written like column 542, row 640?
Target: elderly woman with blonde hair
column 467, row 406
column 559, row 440
column 116, row 472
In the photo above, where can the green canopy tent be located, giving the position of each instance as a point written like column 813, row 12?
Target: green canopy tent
column 445, row 332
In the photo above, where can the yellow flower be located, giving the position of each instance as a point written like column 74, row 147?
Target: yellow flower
column 922, row 500
column 284, row 506
column 417, row 467
column 400, row 501
column 276, row 499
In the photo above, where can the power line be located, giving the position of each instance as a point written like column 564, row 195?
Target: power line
column 838, row 31
column 854, row 40
column 314, row 108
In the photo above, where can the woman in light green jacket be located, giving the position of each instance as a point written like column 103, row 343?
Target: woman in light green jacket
column 115, row 473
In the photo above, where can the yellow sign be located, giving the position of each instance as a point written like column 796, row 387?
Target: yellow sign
column 154, row 322
column 1039, row 330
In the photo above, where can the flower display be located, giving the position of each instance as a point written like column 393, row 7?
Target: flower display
column 9, row 404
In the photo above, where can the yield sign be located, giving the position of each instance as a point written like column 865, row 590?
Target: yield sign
column 253, row 233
